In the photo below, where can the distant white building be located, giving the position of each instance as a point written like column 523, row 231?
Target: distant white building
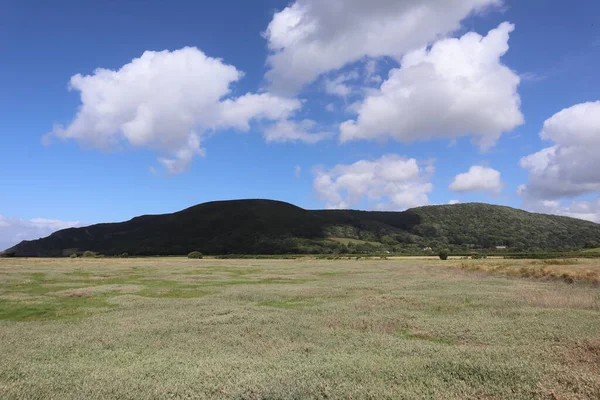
column 427, row 249
column 501, row 247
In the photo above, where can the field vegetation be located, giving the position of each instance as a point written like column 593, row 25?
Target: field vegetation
column 565, row 269
column 179, row 328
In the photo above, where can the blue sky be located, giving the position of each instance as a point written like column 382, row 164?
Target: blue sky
column 391, row 106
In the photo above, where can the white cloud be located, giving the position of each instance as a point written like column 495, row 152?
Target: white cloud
column 311, row 37
column 292, row 131
column 478, row 179
column 454, row 202
column 457, row 88
column 238, row 113
column 339, row 85
column 370, row 72
column 297, row 171
column 587, row 210
column 532, row 77
column 390, row 182
column 165, row 101
column 571, row 166
column 15, row 230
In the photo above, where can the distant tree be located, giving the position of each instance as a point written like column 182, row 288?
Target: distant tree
column 389, row 240
column 89, row 254
column 351, row 248
column 444, row 254
column 195, row 255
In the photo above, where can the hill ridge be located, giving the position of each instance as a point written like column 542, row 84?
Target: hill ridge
column 263, row 226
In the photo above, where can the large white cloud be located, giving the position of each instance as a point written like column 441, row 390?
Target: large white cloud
column 165, row 101
column 571, row 166
column 390, row 182
column 311, row 37
column 459, row 87
column 15, row 230
column 478, row 179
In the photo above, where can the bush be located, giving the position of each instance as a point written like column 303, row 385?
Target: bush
column 124, row 255
column 74, row 255
column 444, row 254
column 478, row 256
column 89, row 254
column 195, row 254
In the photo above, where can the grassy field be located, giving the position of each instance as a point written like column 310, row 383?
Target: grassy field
column 172, row 328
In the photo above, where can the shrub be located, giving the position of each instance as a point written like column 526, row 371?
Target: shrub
column 74, row 255
column 89, row 254
column 478, row 256
column 124, row 255
column 195, row 254
column 444, row 254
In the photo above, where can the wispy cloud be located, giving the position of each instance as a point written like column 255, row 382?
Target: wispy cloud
column 15, row 230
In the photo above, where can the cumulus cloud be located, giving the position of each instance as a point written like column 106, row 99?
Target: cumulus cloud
column 165, row 101
column 390, row 182
column 457, row 88
column 15, row 230
column 311, row 37
column 571, row 166
column 452, row 202
column 478, row 179
column 306, row 131
column 238, row 113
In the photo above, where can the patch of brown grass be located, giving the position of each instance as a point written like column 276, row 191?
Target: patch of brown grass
column 370, row 325
column 556, row 262
column 580, row 378
column 90, row 291
column 576, row 299
column 569, row 271
column 586, row 352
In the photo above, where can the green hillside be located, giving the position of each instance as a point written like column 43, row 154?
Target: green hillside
column 272, row 227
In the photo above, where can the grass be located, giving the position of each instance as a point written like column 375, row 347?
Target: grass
column 566, row 270
column 166, row 328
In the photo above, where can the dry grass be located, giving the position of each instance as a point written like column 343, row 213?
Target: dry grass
column 568, row 270
column 574, row 298
column 166, row 328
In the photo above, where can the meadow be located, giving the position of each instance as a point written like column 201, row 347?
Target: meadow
column 173, row 328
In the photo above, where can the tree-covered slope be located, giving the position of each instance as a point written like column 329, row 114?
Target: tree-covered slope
column 272, row 227
column 487, row 225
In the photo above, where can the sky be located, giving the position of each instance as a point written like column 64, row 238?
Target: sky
column 114, row 109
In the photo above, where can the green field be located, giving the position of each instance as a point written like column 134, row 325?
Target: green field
column 172, row 328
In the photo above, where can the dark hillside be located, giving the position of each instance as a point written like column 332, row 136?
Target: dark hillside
column 272, row 227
